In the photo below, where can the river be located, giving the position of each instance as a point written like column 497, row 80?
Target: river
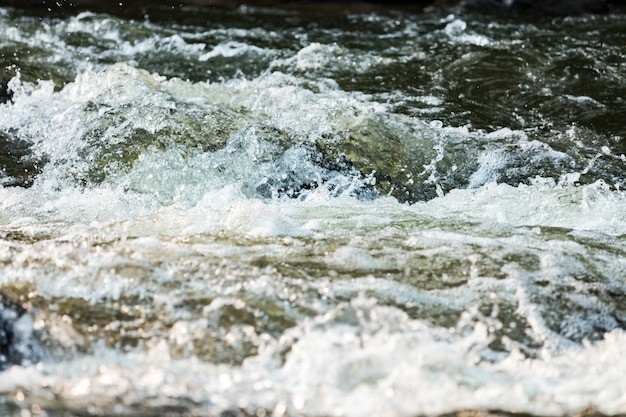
column 266, row 212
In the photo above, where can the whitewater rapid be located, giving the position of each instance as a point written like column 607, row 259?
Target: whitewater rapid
column 222, row 216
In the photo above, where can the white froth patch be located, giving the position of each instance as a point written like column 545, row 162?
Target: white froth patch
column 583, row 100
column 354, row 361
column 42, row 204
column 456, row 30
column 589, row 207
column 404, row 372
column 430, row 100
column 174, row 43
column 318, row 58
column 90, row 23
column 230, row 49
column 353, row 259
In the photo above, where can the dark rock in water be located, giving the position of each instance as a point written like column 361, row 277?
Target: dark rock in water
column 370, row 145
column 420, row 164
column 17, row 344
column 29, row 334
column 18, row 165
column 9, row 313
column 552, row 7
column 6, row 95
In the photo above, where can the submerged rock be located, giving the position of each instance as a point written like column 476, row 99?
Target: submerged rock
column 417, row 163
column 117, row 136
column 17, row 344
column 9, row 313
column 6, row 95
column 394, row 158
column 18, row 164
column 30, row 335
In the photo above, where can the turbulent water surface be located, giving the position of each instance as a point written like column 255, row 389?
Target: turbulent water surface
column 275, row 213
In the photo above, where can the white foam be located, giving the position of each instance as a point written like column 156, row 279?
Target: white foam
column 457, row 31
column 589, row 207
column 583, row 100
column 317, row 58
column 355, row 360
column 231, row 49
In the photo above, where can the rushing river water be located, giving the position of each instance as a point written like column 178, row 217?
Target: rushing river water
column 272, row 213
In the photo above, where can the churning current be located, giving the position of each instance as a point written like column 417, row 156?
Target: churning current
column 278, row 213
